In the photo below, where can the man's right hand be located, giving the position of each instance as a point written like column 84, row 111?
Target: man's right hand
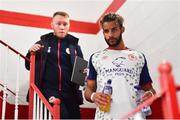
column 35, row 47
column 52, row 99
column 100, row 99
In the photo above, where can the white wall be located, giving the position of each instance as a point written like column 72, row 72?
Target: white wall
column 152, row 26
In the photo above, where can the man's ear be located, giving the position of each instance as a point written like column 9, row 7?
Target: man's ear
column 51, row 25
column 122, row 29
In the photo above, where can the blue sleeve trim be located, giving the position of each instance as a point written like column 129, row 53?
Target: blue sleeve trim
column 92, row 72
column 145, row 76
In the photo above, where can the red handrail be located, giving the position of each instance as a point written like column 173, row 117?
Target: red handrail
column 178, row 88
column 55, row 109
column 138, row 108
column 169, row 101
column 15, row 51
column 32, row 80
column 9, row 90
column 49, row 107
column 168, row 95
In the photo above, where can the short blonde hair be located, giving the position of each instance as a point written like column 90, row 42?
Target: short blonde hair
column 61, row 13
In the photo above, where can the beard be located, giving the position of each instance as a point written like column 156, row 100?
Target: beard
column 114, row 42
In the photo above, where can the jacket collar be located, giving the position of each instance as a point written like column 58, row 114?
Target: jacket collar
column 71, row 39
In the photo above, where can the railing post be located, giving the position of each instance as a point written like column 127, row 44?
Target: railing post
column 17, row 89
column 5, row 86
column 56, row 109
column 169, row 101
column 32, row 80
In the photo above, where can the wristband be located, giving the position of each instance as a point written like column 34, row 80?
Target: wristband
column 92, row 95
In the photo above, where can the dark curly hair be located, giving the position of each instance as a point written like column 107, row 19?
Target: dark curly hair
column 111, row 17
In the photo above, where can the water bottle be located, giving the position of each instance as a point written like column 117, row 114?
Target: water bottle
column 108, row 91
column 146, row 110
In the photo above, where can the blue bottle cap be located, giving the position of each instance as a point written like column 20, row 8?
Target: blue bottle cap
column 109, row 81
column 137, row 87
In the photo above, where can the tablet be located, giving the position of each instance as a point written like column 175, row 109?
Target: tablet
column 78, row 76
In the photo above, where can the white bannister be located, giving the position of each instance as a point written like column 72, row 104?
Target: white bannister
column 5, row 70
column 50, row 118
column 17, row 88
column 5, row 84
column 34, row 106
column 40, row 111
column 45, row 113
column 37, row 107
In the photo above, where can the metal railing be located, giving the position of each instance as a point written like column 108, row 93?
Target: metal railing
column 39, row 107
column 8, row 48
column 170, row 109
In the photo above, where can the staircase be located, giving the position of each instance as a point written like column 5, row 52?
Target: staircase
column 23, row 110
column 37, row 101
column 86, row 113
column 165, row 103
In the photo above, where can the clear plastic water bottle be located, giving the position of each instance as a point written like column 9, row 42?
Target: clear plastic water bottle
column 146, row 110
column 108, row 91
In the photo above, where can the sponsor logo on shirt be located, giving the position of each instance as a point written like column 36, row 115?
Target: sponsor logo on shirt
column 132, row 57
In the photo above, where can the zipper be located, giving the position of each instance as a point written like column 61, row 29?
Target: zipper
column 59, row 64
